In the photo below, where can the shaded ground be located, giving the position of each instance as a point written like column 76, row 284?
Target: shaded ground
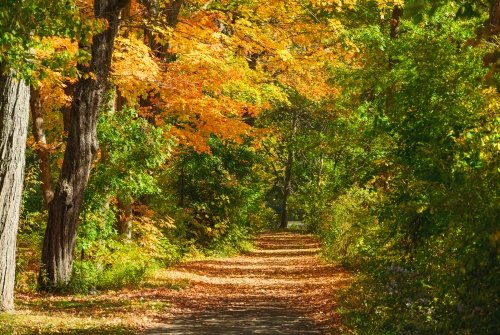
column 279, row 288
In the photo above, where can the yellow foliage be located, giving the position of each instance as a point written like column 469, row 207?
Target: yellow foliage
column 385, row 4
column 135, row 72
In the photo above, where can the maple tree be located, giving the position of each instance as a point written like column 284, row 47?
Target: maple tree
column 64, row 209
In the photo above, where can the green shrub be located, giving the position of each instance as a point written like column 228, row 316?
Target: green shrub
column 236, row 239
column 111, row 267
column 263, row 218
column 348, row 229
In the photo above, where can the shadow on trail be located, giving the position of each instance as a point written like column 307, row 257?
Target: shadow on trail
column 279, row 288
column 262, row 318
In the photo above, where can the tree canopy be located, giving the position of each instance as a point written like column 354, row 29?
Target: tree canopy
column 162, row 129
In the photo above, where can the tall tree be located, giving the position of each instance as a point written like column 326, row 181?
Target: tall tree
column 22, row 26
column 81, row 147
column 14, row 102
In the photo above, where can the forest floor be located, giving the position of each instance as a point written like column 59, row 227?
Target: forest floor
column 280, row 287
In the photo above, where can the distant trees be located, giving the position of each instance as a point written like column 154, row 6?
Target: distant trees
column 153, row 72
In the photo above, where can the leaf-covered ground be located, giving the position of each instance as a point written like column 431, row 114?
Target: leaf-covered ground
column 281, row 287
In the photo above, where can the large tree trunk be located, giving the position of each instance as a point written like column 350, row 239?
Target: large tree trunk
column 14, row 112
column 41, row 146
column 81, row 147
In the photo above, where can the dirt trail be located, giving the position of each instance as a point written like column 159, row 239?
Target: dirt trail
column 279, row 288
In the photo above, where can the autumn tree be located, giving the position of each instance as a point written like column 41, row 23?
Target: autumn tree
column 21, row 28
column 14, row 102
column 81, row 147
column 419, row 222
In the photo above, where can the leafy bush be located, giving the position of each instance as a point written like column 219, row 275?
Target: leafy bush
column 349, row 230
column 236, row 239
column 262, row 218
column 111, row 267
column 217, row 195
column 425, row 242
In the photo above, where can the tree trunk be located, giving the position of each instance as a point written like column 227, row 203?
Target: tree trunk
column 319, row 181
column 42, row 150
column 286, row 189
column 397, row 14
column 167, row 14
column 81, row 147
column 69, row 90
column 14, row 104
column 125, row 219
column 494, row 18
column 287, row 179
column 492, row 32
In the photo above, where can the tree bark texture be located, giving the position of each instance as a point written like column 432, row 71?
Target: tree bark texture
column 14, row 113
column 81, row 147
column 494, row 19
column 42, row 150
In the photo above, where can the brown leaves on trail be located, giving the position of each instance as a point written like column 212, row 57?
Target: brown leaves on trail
column 283, row 272
column 279, row 288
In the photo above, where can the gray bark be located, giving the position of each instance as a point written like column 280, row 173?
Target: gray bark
column 81, row 147
column 14, row 102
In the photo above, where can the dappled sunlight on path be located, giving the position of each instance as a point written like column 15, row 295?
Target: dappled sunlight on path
column 279, row 288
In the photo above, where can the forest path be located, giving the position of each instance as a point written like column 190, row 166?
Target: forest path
column 281, row 287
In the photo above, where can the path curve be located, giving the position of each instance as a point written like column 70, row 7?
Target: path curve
column 279, row 288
